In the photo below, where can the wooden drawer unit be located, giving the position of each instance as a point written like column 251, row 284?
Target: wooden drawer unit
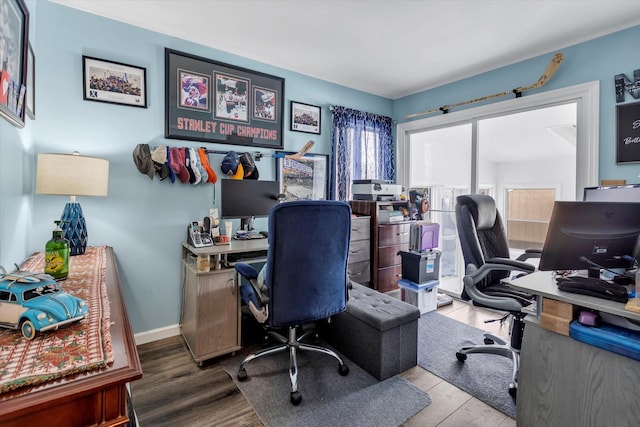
column 210, row 322
column 359, row 269
column 386, row 240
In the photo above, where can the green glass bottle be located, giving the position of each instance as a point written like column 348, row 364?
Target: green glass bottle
column 56, row 256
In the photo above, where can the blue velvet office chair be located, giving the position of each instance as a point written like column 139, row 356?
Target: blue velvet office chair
column 486, row 254
column 305, row 278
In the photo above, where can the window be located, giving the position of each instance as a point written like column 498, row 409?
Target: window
column 362, row 149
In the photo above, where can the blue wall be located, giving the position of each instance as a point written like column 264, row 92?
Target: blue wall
column 599, row 59
column 144, row 220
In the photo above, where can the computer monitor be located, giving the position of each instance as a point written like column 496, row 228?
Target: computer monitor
column 614, row 193
column 585, row 235
column 247, row 199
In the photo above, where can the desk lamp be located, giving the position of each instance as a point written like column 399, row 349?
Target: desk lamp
column 72, row 175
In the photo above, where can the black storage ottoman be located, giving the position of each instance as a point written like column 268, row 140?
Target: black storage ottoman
column 377, row 332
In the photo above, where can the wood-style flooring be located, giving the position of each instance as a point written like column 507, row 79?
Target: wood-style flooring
column 174, row 391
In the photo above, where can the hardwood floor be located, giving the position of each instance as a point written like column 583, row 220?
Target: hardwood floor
column 174, row 391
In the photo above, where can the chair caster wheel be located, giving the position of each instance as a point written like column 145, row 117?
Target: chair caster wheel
column 242, row 375
column 296, row 398
column 461, row 357
column 513, row 392
column 343, row 370
column 488, row 341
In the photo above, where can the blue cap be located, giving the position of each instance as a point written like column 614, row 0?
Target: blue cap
column 230, row 163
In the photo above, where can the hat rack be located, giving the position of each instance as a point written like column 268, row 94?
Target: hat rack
column 257, row 155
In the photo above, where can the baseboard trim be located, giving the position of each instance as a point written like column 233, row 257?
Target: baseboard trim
column 157, row 334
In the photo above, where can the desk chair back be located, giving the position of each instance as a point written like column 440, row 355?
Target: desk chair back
column 306, row 269
column 482, row 234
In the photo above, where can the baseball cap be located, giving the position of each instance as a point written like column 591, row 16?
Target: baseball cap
column 249, row 166
column 231, row 165
column 142, row 159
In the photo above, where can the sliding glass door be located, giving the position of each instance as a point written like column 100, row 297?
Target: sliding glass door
column 524, row 160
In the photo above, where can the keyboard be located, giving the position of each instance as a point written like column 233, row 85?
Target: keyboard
column 246, row 256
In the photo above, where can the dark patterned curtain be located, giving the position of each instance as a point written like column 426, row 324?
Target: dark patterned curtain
column 362, row 149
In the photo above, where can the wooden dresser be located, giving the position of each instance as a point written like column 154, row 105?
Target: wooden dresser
column 386, row 240
column 93, row 398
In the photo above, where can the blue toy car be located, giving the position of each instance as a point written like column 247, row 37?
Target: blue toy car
column 35, row 303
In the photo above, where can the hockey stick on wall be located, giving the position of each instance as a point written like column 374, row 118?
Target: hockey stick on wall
column 294, row 156
column 544, row 78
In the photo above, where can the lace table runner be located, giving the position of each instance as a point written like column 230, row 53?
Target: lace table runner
column 77, row 347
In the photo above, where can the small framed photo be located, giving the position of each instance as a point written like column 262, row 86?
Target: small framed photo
column 114, row 82
column 306, row 178
column 305, row 118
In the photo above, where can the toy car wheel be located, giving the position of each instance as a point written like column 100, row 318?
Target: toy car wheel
column 28, row 330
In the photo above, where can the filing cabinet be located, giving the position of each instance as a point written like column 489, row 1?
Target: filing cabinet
column 359, row 265
column 386, row 240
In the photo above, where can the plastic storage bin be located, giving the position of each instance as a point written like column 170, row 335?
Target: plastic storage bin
column 420, row 267
column 421, row 295
column 608, row 337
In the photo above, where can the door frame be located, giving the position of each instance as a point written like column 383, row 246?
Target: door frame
column 586, row 95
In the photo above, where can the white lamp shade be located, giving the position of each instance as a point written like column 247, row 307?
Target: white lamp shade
column 72, row 175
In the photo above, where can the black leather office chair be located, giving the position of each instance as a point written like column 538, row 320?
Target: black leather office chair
column 486, row 255
column 305, row 278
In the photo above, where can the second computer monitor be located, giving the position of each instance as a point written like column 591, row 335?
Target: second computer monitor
column 582, row 235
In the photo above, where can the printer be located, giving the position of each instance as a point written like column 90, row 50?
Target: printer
column 375, row 189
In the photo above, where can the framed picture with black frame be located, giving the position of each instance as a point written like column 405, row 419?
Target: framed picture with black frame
column 30, row 102
column 14, row 39
column 305, row 118
column 210, row 101
column 628, row 133
column 114, row 82
column 306, row 178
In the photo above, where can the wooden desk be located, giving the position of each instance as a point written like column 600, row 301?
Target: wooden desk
column 96, row 398
column 565, row 382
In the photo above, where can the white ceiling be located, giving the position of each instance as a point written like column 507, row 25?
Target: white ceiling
column 384, row 47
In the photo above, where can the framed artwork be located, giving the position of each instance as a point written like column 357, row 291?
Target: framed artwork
column 628, row 133
column 209, row 101
column 14, row 38
column 305, row 118
column 305, row 178
column 31, row 84
column 114, row 82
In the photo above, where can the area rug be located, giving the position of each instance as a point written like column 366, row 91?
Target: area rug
column 328, row 399
column 484, row 376
column 78, row 347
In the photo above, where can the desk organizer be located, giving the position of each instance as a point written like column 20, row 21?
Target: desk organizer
column 608, row 337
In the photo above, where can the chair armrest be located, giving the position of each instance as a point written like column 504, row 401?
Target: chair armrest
column 248, row 272
column 509, row 264
column 530, row 253
column 475, row 275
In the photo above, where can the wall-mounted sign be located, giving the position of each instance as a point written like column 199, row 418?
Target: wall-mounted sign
column 628, row 133
column 209, row 101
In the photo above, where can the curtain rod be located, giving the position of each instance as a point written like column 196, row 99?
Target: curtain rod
column 331, row 107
